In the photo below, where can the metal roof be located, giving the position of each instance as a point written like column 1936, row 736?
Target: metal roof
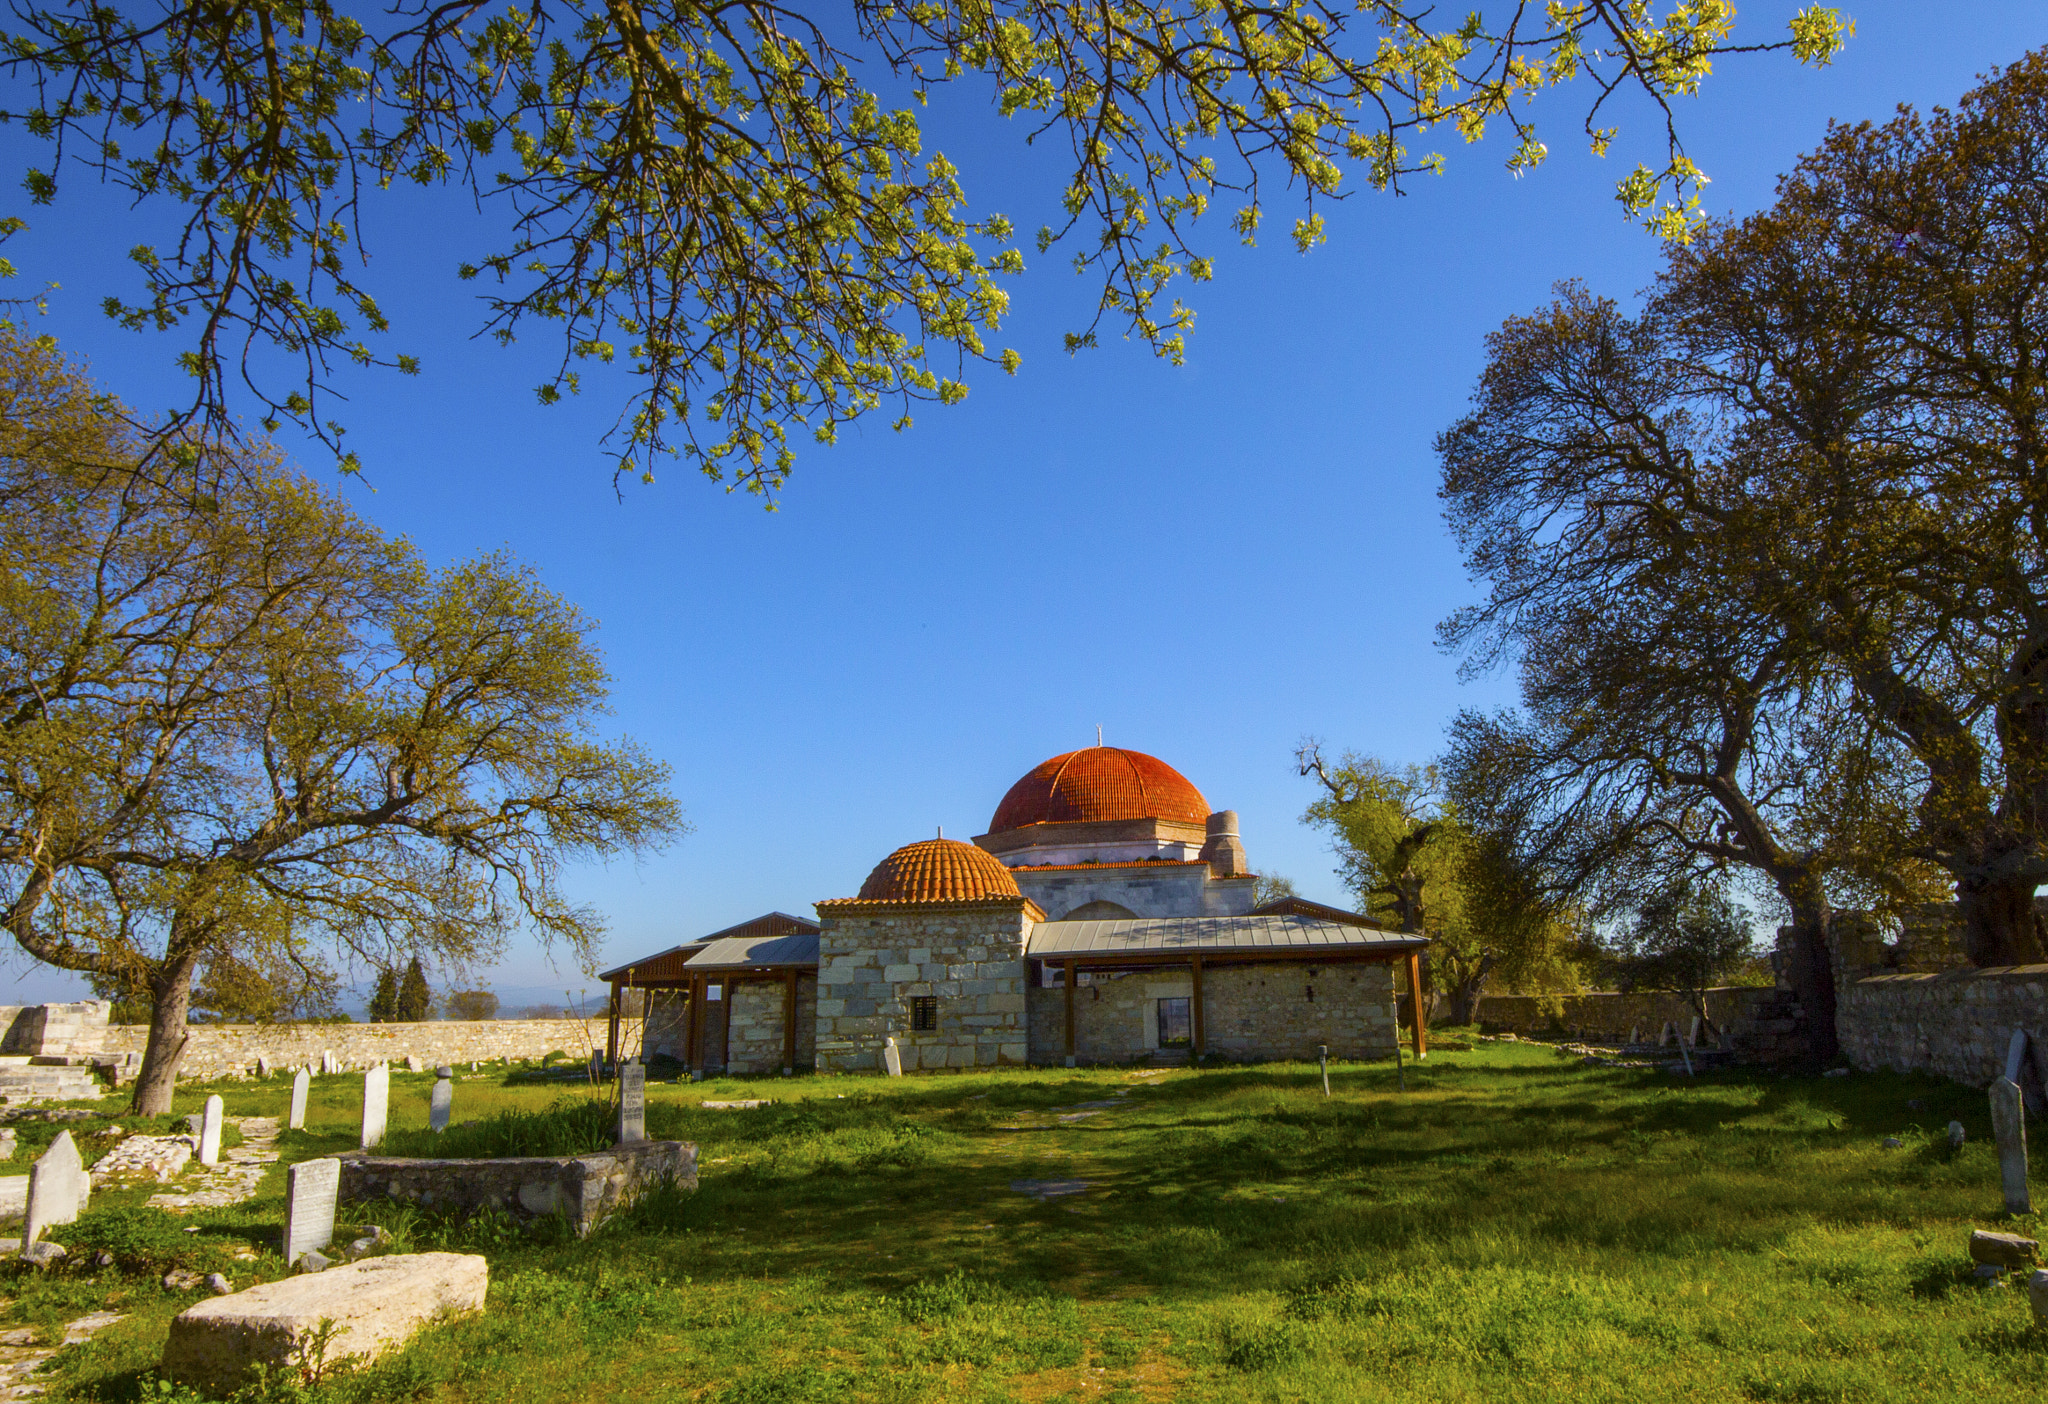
column 1240, row 935
column 1301, row 906
column 738, row 952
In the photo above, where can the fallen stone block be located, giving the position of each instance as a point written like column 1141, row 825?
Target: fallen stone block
column 375, row 1305
column 2005, row 1250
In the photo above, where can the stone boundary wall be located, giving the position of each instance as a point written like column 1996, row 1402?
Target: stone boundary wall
column 584, row 1189
column 231, row 1050
column 1609, row 1015
column 1957, row 1024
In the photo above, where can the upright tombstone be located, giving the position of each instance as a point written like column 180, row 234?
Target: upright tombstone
column 209, row 1131
column 311, row 1187
column 1699, row 1028
column 328, row 1067
column 376, row 1105
column 596, row 1066
column 2009, row 1125
column 443, row 1101
column 632, row 1102
column 302, row 1082
column 413, row 1063
column 1323, row 1058
column 57, row 1188
column 262, row 1066
column 892, row 1058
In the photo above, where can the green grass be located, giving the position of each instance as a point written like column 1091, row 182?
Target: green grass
column 1514, row 1226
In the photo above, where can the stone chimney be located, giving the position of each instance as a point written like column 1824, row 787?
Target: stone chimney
column 1223, row 852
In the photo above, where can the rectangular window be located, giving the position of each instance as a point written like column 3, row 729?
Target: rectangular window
column 714, row 992
column 924, row 1014
column 1173, row 1023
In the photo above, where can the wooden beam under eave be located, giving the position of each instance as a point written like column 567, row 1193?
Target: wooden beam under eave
column 1415, row 1004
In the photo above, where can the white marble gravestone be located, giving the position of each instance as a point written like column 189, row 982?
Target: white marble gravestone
column 413, row 1063
column 57, row 1188
column 2009, row 1124
column 632, row 1102
column 443, row 1101
column 311, row 1187
column 302, row 1081
column 376, row 1105
column 892, row 1058
column 209, row 1131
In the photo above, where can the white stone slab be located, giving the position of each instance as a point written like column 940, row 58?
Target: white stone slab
column 632, row 1102
column 376, row 1105
column 892, row 1058
column 442, row 1104
column 2016, row 1055
column 375, row 1305
column 302, row 1081
column 209, row 1130
column 2009, row 1124
column 13, row 1196
column 57, row 1188
column 311, row 1188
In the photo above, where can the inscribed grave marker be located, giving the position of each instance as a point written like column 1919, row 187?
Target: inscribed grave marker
column 209, row 1131
column 2009, row 1124
column 302, row 1081
column 632, row 1102
column 892, row 1058
column 311, row 1187
column 57, row 1188
column 376, row 1105
column 443, row 1101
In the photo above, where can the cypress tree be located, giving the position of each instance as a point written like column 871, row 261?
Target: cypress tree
column 384, row 1003
column 414, row 998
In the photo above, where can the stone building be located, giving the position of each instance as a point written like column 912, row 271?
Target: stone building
column 1106, row 916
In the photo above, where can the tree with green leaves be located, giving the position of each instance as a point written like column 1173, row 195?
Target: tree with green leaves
column 706, row 204
column 235, row 717
column 384, row 1003
column 1271, row 887
column 1688, row 938
column 415, row 1000
column 471, row 1004
column 1410, row 860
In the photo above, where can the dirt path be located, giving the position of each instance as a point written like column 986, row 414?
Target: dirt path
column 21, row 1355
column 236, row 1177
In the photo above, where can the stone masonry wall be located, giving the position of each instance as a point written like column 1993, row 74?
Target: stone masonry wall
column 231, row 1050
column 756, row 1039
column 54, row 1030
column 1609, row 1016
column 871, row 966
column 1957, row 1024
column 584, row 1189
column 1253, row 1013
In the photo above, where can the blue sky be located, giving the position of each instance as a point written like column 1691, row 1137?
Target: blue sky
column 1210, row 561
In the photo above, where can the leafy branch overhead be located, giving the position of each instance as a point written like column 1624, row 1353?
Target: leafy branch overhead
column 707, row 200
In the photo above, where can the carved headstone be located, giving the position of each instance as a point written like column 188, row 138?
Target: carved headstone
column 328, row 1064
column 57, row 1188
column 311, row 1188
column 632, row 1102
column 892, row 1058
column 443, row 1101
column 413, row 1063
column 302, row 1081
column 2009, row 1125
column 262, row 1066
column 209, row 1131
column 1956, row 1135
column 376, row 1105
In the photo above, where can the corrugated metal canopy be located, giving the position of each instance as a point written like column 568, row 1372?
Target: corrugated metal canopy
column 668, row 965
column 1241, row 935
column 737, row 952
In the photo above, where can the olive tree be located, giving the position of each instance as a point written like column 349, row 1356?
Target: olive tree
column 234, row 716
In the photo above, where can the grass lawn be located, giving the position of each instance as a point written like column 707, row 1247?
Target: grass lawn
column 1512, row 1227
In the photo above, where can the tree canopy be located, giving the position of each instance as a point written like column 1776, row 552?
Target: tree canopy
column 709, row 199
column 235, row 718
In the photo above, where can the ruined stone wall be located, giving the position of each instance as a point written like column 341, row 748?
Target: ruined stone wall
column 755, row 1044
column 1609, row 1017
column 1253, row 1013
column 1957, row 1024
column 231, row 1050
column 584, row 1189
column 870, row 966
column 54, row 1030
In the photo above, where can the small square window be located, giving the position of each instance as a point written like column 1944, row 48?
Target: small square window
column 924, row 1013
column 1173, row 1023
column 714, row 992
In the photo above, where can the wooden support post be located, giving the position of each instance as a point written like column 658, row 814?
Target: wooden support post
column 725, row 1026
column 611, row 1032
column 1200, row 1027
column 1069, row 982
column 1415, row 1004
column 789, row 1022
column 695, row 1044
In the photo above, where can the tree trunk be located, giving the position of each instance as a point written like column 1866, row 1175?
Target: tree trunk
column 170, row 994
column 1810, row 970
column 1998, row 920
column 1467, row 992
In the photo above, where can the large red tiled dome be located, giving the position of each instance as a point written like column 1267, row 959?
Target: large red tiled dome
column 938, row 870
column 1102, row 782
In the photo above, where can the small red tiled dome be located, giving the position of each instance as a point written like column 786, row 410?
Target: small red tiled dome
column 1102, row 782
column 938, row 870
